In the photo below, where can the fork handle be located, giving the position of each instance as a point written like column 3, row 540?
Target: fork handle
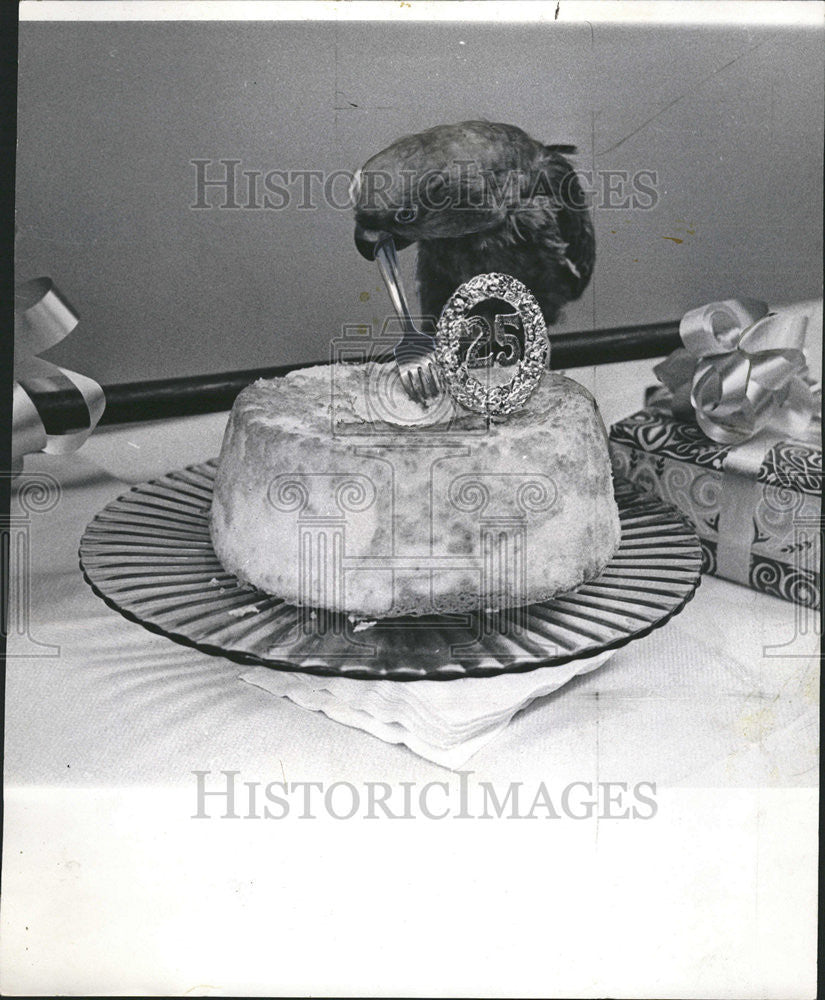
column 388, row 266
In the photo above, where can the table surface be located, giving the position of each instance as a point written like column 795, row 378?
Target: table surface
column 725, row 694
column 112, row 887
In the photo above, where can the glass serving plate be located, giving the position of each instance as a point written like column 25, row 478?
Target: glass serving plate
column 149, row 555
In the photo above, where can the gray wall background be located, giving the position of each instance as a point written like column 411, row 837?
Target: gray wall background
column 111, row 116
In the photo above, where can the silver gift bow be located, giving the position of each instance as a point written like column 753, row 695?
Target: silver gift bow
column 42, row 318
column 741, row 370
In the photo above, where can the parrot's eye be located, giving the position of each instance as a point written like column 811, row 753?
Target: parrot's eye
column 406, row 214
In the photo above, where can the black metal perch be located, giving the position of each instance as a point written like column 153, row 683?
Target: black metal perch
column 128, row 402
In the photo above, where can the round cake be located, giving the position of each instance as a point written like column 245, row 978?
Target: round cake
column 334, row 490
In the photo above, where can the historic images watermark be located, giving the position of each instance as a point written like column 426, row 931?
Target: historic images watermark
column 227, row 795
column 489, row 528
column 791, row 509
column 34, row 494
column 229, row 184
column 395, row 511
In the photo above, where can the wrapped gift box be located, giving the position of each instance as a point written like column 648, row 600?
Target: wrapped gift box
column 755, row 507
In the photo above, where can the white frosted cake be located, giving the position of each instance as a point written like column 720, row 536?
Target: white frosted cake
column 334, row 490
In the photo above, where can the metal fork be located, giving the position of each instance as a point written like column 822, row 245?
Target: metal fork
column 415, row 352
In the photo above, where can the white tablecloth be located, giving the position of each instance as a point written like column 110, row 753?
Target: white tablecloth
column 712, row 698
column 110, row 886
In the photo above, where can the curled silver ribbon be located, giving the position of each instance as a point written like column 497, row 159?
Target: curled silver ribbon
column 742, row 369
column 42, row 318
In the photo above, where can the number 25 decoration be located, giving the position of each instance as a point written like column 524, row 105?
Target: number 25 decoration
column 454, row 325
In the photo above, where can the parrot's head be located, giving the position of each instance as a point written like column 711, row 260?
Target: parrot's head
column 433, row 185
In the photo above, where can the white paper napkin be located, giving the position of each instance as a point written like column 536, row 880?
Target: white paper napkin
column 443, row 721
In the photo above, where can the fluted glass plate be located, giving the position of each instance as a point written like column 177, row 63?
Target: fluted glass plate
column 149, row 555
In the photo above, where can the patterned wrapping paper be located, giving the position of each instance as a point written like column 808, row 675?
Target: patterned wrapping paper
column 759, row 528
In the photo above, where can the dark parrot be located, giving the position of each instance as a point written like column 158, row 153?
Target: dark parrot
column 477, row 197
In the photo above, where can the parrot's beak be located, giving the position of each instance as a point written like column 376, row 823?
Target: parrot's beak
column 367, row 241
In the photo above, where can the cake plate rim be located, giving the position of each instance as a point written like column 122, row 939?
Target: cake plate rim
column 448, row 672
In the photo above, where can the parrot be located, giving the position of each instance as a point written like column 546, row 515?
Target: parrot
column 478, row 197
